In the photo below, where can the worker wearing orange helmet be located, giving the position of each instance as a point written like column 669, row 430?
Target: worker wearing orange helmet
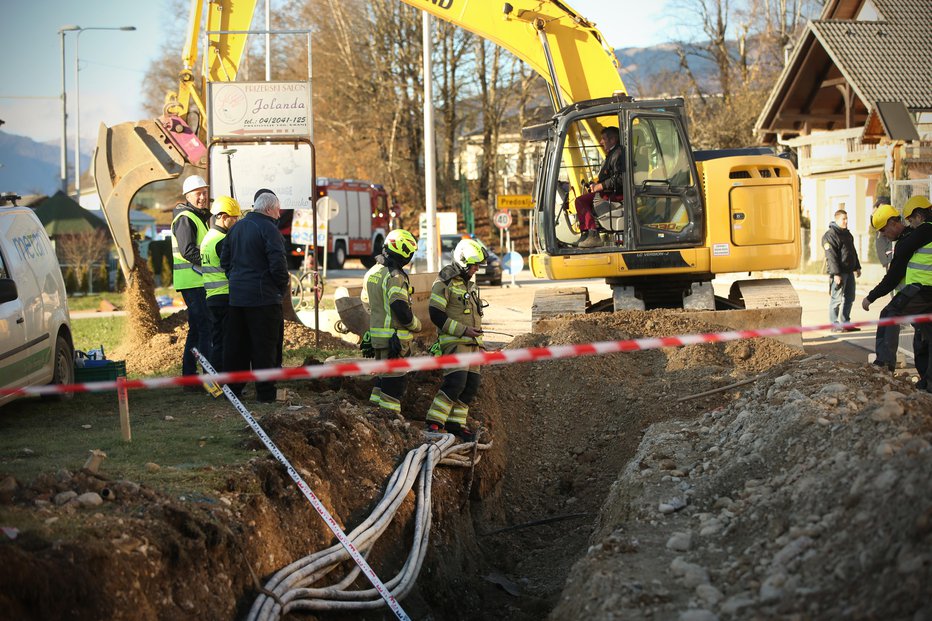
column 392, row 323
column 226, row 211
column 911, row 273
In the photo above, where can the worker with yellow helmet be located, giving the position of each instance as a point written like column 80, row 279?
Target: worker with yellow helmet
column 225, row 211
column 392, row 323
column 456, row 310
column 911, row 272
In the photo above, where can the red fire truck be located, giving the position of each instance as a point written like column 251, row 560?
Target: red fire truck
column 356, row 230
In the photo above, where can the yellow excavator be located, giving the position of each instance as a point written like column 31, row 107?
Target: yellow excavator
column 685, row 216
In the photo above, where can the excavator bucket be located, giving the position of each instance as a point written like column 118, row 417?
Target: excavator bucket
column 128, row 157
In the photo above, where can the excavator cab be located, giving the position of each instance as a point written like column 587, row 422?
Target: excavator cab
column 662, row 200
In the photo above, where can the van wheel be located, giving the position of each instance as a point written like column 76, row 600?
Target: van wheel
column 338, row 257
column 63, row 372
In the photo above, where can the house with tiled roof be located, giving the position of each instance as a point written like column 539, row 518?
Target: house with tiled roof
column 855, row 100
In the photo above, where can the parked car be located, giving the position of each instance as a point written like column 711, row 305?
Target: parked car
column 35, row 327
column 490, row 272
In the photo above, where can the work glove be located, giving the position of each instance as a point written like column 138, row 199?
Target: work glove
column 415, row 325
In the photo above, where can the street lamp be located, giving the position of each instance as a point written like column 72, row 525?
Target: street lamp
column 77, row 103
column 63, row 181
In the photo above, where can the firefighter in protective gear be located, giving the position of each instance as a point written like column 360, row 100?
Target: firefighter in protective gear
column 456, row 309
column 911, row 273
column 387, row 294
column 226, row 211
column 189, row 226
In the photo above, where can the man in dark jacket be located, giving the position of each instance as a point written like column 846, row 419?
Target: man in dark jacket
column 842, row 265
column 908, row 275
column 189, row 226
column 609, row 186
column 253, row 257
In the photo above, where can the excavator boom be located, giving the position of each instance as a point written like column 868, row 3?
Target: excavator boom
column 131, row 155
column 552, row 38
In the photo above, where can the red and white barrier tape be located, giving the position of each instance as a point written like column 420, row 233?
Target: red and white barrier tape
column 311, row 497
column 429, row 363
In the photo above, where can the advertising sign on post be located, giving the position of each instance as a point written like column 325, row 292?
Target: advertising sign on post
column 251, row 109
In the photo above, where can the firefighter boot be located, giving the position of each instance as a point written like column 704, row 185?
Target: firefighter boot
column 438, row 413
column 456, row 423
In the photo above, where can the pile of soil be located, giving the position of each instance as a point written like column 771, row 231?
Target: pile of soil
column 802, row 494
column 807, row 497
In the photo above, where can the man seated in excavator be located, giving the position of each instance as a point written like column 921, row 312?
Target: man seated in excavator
column 607, row 190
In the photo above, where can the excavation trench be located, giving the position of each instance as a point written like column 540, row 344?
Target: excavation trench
column 504, row 535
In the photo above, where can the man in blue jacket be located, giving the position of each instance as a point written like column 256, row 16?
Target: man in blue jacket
column 253, row 257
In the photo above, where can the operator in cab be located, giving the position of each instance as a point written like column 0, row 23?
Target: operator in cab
column 456, row 310
column 386, row 293
column 189, row 226
column 609, row 186
column 910, row 273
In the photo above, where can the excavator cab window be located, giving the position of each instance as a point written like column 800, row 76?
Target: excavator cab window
column 666, row 197
column 582, row 159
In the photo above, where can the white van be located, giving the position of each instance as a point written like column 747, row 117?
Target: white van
column 35, row 329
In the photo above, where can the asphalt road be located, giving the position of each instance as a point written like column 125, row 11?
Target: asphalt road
column 509, row 312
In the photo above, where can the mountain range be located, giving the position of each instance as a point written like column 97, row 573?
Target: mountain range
column 31, row 167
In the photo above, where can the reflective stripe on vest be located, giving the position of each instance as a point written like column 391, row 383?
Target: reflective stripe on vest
column 381, row 321
column 183, row 274
column 215, row 279
column 460, row 303
column 919, row 268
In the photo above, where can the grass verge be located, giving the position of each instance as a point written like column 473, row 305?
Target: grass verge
column 190, row 437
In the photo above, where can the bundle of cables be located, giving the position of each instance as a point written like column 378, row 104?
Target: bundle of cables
column 298, row 586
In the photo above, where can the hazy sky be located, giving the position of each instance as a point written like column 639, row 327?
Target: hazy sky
column 113, row 64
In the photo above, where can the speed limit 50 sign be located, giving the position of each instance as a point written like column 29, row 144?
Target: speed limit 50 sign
column 502, row 219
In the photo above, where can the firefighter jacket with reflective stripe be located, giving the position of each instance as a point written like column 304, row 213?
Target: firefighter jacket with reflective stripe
column 186, row 269
column 383, row 286
column 215, row 279
column 459, row 299
column 919, row 268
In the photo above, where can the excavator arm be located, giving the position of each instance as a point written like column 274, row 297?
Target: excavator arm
column 552, row 38
column 132, row 155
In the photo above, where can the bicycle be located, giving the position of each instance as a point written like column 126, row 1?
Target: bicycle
column 305, row 286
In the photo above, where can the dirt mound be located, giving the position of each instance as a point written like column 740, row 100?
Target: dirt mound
column 805, row 498
column 567, row 428
column 162, row 351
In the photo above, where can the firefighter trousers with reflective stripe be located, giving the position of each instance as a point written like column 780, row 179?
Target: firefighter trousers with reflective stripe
column 389, row 388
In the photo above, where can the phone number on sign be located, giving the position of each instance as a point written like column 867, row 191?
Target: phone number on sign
column 278, row 120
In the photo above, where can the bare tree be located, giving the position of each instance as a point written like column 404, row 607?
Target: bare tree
column 81, row 251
